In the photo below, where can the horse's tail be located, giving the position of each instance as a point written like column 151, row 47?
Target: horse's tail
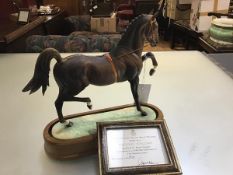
column 41, row 72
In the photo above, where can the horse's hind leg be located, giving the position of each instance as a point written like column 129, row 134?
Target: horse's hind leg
column 66, row 95
column 134, row 89
column 58, row 104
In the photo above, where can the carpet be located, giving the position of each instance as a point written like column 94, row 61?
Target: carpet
column 224, row 61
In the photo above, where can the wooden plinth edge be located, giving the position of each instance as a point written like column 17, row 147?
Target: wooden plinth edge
column 74, row 148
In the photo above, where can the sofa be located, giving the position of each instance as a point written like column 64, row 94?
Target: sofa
column 78, row 38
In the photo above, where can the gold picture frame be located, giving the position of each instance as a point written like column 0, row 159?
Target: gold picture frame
column 136, row 148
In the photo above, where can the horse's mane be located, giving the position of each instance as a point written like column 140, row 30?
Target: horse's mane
column 141, row 18
column 129, row 27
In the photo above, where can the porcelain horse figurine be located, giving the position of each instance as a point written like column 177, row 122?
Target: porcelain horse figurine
column 74, row 73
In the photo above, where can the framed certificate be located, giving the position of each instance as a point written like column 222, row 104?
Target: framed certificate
column 136, row 148
column 23, row 16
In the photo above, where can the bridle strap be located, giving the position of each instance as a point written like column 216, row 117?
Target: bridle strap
column 133, row 51
column 109, row 59
column 149, row 29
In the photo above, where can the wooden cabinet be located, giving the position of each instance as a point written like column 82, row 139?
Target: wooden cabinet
column 13, row 35
column 55, row 24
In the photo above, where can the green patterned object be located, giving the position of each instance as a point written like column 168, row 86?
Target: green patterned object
column 221, row 30
column 222, row 34
column 86, row 125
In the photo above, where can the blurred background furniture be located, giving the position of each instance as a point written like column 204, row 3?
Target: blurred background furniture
column 75, row 42
column 101, row 8
column 211, row 47
column 182, row 36
column 13, row 35
column 79, row 38
column 146, row 6
column 125, row 13
column 201, row 31
column 219, row 38
column 77, row 23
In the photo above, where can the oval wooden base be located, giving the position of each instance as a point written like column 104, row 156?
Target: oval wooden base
column 73, row 148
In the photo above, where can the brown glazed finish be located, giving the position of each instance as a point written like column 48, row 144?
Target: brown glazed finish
column 75, row 72
column 74, row 148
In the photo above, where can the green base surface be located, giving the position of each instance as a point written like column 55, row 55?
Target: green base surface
column 86, row 125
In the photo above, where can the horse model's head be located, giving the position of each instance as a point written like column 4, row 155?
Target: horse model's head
column 151, row 31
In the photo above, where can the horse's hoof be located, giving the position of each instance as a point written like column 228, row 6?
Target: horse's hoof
column 143, row 113
column 69, row 124
column 89, row 105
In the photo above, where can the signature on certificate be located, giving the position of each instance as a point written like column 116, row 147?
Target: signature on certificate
column 141, row 163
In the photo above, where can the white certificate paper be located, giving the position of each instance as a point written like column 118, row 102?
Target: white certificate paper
column 135, row 147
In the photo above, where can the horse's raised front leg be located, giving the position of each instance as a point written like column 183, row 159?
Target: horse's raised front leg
column 154, row 62
column 134, row 89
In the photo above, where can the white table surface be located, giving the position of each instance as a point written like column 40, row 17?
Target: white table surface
column 195, row 96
